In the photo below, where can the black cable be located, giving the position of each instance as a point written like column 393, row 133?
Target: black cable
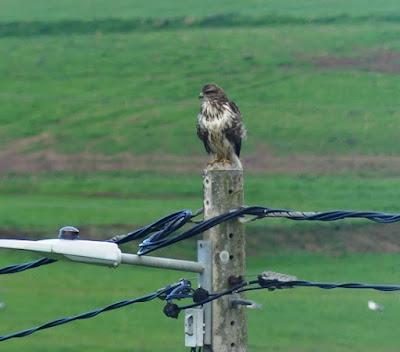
column 214, row 296
column 17, row 268
column 341, row 214
column 182, row 289
column 275, row 284
column 163, row 239
column 262, row 284
column 166, row 225
column 161, row 293
column 163, row 228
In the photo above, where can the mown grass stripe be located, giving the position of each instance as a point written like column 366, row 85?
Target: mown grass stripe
column 114, row 25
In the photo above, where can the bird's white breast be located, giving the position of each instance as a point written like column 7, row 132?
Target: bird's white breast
column 218, row 120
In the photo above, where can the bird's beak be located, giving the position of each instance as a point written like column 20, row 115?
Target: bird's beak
column 201, row 95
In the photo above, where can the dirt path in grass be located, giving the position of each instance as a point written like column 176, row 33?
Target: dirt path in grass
column 16, row 159
column 385, row 61
column 334, row 239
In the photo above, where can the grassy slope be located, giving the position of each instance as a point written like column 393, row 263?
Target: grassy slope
column 26, row 10
column 44, row 203
column 101, row 93
column 293, row 320
column 113, row 93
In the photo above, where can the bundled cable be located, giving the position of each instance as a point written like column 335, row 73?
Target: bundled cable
column 275, row 284
column 161, row 293
column 165, row 225
column 163, row 239
column 268, row 281
column 17, row 268
column 183, row 289
column 163, row 232
column 336, row 215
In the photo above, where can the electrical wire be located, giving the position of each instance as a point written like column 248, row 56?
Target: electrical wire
column 276, row 284
column 17, row 268
column 266, row 284
column 161, row 293
column 162, row 233
column 166, row 225
column 163, row 239
column 183, row 289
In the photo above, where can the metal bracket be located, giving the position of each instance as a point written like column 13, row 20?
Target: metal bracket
column 194, row 324
column 205, row 281
column 236, row 302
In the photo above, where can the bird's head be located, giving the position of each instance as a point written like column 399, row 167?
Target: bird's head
column 212, row 92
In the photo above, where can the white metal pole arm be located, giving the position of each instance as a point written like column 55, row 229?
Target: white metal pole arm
column 93, row 252
column 98, row 252
column 165, row 263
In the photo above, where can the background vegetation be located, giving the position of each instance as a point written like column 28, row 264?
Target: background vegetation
column 98, row 106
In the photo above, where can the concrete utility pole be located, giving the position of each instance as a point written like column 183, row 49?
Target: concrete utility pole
column 223, row 191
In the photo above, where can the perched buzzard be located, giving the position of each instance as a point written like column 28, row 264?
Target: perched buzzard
column 220, row 126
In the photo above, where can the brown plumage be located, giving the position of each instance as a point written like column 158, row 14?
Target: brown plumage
column 220, row 125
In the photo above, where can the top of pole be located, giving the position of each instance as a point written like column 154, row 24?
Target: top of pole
column 223, row 167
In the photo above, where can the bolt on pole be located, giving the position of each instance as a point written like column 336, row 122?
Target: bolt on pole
column 223, row 191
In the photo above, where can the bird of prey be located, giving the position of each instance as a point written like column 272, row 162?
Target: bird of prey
column 220, row 126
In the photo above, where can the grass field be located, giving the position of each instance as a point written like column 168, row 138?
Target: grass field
column 293, row 320
column 98, row 106
column 52, row 10
column 43, row 202
column 72, row 90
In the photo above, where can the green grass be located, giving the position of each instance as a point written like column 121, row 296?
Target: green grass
column 47, row 202
column 292, row 320
column 104, row 78
column 26, row 10
column 115, row 93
